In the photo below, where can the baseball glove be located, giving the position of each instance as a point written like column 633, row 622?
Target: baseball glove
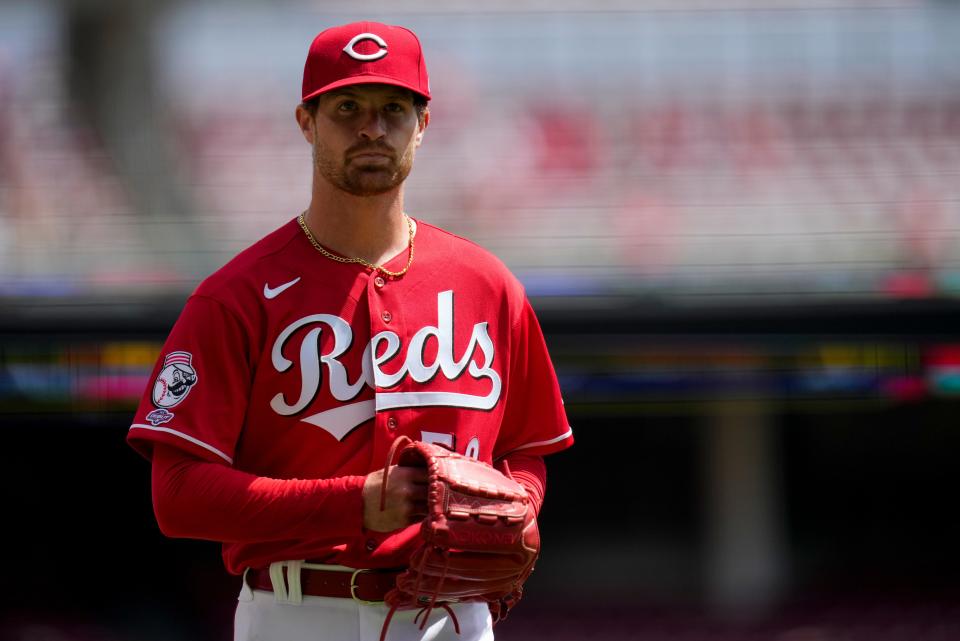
column 479, row 540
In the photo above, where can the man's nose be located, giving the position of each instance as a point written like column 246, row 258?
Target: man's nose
column 373, row 126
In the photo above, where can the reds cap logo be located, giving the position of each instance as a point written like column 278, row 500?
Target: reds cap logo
column 175, row 379
column 365, row 57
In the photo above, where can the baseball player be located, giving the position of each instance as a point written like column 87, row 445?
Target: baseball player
column 293, row 369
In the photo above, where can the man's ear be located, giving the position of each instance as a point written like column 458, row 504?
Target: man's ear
column 305, row 122
column 424, row 120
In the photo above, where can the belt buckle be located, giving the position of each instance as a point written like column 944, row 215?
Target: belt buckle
column 354, row 587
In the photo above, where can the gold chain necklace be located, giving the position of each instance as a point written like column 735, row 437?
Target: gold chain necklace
column 367, row 264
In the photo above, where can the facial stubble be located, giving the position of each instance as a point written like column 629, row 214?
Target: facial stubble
column 357, row 178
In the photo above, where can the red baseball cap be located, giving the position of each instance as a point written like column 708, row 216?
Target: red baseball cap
column 363, row 53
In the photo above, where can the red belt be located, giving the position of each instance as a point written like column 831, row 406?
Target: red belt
column 360, row 585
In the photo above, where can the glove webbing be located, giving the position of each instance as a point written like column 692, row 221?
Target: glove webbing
column 401, row 440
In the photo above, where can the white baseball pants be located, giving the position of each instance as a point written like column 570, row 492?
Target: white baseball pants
column 262, row 616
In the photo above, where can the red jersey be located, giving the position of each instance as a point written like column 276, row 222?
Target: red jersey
column 289, row 365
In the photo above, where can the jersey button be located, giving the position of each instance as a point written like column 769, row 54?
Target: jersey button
column 392, row 423
column 386, row 316
column 371, row 545
column 379, row 281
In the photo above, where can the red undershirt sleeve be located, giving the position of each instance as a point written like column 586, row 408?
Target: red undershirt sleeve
column 530, row 471
column 193, row 498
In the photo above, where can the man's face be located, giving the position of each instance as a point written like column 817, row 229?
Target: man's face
column 364, row 137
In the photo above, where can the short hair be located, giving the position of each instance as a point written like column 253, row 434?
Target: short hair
column 419, row 103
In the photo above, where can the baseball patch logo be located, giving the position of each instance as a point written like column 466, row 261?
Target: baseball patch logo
column 158, row 417
column 175, row 380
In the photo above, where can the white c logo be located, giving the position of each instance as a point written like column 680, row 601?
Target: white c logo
column 360, row 37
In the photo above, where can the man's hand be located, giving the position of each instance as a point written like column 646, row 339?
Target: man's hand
column 479, row 540
column 406, row 498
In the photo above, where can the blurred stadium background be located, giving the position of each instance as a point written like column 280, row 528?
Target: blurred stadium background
column 739, row 221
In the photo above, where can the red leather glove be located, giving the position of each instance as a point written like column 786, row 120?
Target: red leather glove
column 479, row 540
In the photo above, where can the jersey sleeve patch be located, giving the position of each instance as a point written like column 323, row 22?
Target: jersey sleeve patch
column 175, row 380
column 159, row 416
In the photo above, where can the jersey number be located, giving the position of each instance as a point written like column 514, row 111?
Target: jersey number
column 450, row 442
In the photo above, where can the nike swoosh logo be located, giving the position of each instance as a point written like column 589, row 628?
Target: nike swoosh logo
column 273, row 292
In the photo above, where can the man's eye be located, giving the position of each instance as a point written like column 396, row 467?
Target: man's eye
column 347, row 105
column 394, row 107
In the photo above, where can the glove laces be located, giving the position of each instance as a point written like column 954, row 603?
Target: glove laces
column 426, row 610
column 401, row 440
